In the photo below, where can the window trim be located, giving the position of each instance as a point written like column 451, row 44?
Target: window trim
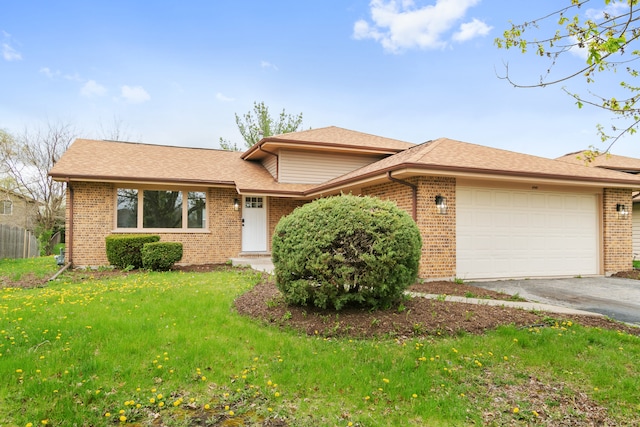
column 140, row 214
column 4, row 210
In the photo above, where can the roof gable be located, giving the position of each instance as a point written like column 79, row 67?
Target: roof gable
column 330, row 138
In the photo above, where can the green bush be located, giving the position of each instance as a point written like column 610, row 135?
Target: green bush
column 346, row 249
column 124, row 250
column 160, row 256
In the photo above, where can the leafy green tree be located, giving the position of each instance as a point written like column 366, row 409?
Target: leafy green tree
column 27, row 158
column 258, row 124
column 606, row 38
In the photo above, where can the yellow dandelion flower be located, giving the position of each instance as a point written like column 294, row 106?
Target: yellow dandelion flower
column 367, row 397
column 385, row 380
column 123, row 418
column 231, row 413
column 29, row 425
column 226, row 408
column 203, row 378
column 161, row 404
column 206, row 406
column 414, row 395
column 516, row 410
column 276, row 394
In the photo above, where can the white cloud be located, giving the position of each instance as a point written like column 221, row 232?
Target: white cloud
column 221, row 97
column 47, row 72
column 401, row 25
column 265, row 64
column 9, row 53
column 135, row 94
column 613, row 9
column 92, row 88
column 471, row 30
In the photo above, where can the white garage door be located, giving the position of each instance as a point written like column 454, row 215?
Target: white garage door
column 510, row 234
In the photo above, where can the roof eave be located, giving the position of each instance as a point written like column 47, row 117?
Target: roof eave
column 280, row 143
column 139, row 180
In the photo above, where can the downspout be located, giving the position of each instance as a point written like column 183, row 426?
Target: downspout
column 277, row 160
column 69, row 244
column 414, row 188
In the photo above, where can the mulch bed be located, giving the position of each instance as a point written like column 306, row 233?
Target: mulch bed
column 414, row 317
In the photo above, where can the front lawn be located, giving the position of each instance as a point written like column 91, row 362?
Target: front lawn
column 169, row 349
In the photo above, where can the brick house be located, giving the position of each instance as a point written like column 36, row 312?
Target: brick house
column 483, row 212
column 629, row 165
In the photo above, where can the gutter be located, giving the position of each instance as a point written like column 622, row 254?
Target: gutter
column 414, row 191
column 69, row 244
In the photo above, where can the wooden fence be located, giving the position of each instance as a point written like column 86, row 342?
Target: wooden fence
column 16, row 242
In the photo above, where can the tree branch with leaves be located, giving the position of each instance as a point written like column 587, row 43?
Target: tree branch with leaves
column 607, row 39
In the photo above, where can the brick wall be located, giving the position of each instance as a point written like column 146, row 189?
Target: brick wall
column 93, row 220
column 438, row 232
column 617, row 231
column 279, row 207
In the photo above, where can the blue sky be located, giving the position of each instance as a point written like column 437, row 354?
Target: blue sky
column 175, row 72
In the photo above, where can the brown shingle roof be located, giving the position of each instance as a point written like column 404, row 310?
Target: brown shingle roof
column 455, row 157
column 133, row 162
column 606, row 161
column 331, row 137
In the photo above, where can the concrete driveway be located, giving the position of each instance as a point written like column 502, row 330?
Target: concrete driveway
column 616, row 298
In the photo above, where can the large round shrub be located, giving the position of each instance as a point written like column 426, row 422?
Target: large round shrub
column 346, row 249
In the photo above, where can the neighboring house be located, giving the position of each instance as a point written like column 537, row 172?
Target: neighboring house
column 622, row 164
column 482, row 212
column 17, row 210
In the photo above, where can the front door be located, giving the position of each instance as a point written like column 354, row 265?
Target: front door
column 254, row 224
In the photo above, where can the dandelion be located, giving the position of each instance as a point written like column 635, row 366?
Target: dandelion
column 505, row 358
column 516, row 410
column 123, row 418
column 121, row 411
column 385, row 380
column 231, row 413
column 18, row 371
column 29, row 425
column 270, row 409
column 226, row 408
column 161, row 404
column 414, row 395
column 535, row 414
column 276, row 394
column 367, row 397
column 203, row 378
column 206, row 406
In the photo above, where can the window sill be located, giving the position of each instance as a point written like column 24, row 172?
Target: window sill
column 161, row 231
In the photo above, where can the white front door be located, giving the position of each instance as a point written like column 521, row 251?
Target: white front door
column 254, row 224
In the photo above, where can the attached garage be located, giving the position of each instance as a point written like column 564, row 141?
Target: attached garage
column 507, row 233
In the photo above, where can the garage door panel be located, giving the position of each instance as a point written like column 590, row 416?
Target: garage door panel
column 504, row 233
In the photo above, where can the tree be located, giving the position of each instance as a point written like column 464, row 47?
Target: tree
column 27, row 159
column 607, row 39
column 258, row 124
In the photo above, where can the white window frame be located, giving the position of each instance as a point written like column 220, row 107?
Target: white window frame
column 4, row 207
column 140, row 213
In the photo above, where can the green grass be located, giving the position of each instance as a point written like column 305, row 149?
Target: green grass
column 166, row 344
column 15, row 269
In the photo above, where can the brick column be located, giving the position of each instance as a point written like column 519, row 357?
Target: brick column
column 617, row 231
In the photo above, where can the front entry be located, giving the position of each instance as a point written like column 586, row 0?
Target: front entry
column 254, row 224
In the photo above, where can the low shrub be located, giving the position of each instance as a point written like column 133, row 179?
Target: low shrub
column 160, row 256
column 124, row 250
column 346, row 249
